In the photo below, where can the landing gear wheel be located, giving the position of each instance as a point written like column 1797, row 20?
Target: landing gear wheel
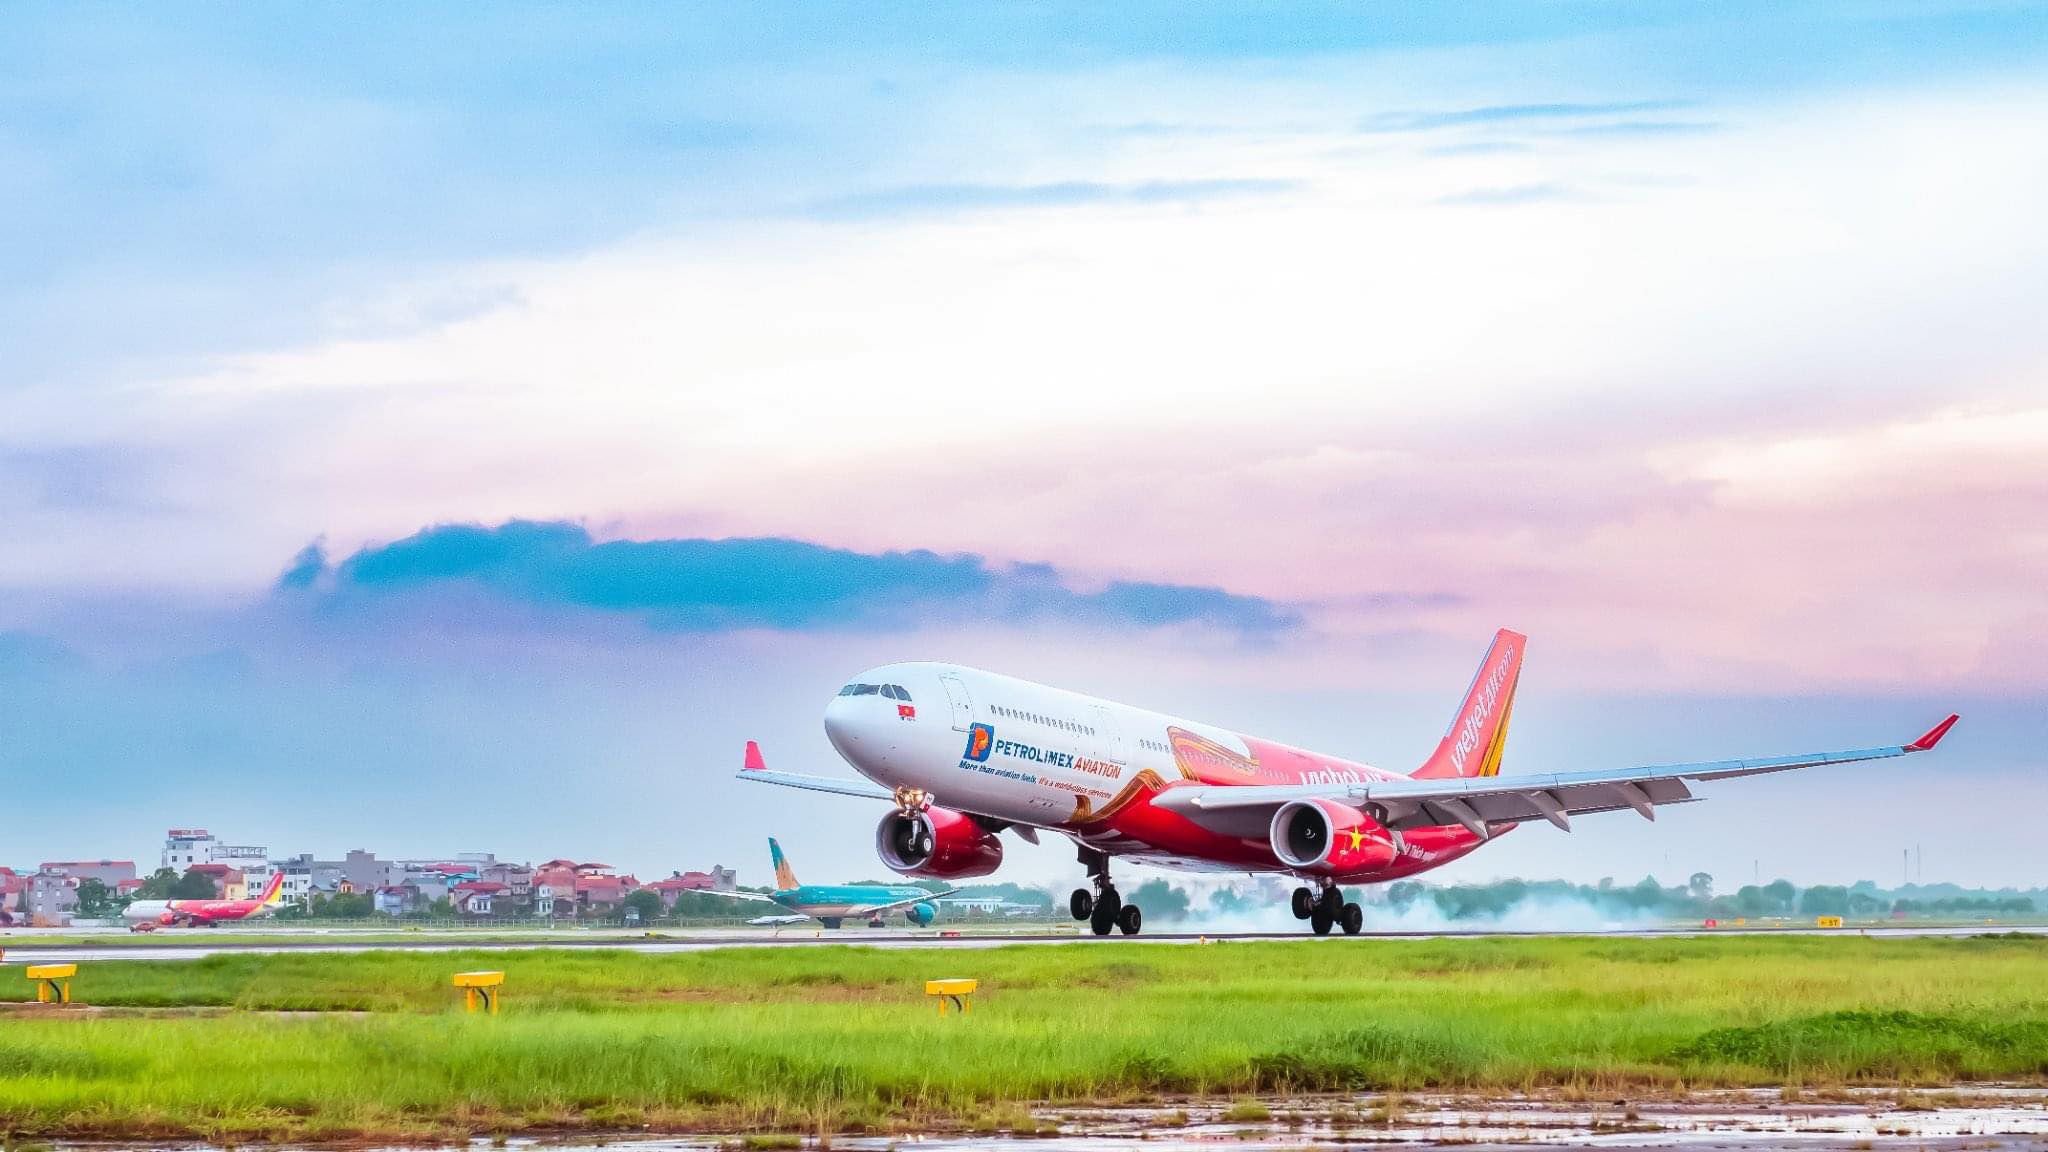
column 1352, row 918
column 1333, row 902
column 1319, row 920
column 1304, row 903
column 1081, row 903
column 1130, row 919
column 1104, row 916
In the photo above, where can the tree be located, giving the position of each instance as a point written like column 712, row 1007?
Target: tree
column 1160, row 900
column 345, row 906
column 93, row 899
column 645, row 902
column 158, row 886
column 194, row 886
column 1824, row 900
column 1751, row 900
column 1781, row 894
column 1700, row 886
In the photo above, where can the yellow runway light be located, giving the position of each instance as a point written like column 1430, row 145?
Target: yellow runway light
column 53, row 981
column 480, row 988
column 959, row 993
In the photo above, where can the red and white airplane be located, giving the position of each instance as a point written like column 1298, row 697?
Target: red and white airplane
column 964, row 755
column 195, row 913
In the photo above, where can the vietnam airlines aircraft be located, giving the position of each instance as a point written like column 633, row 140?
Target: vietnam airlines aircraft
column 963, row 755
column 829, row 904
column 193, row 913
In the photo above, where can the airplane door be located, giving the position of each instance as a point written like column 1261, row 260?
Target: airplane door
column 963, row 704
column 1112, row 736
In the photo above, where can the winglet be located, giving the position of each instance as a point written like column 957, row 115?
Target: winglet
column 1934, row 735
column 754, row 762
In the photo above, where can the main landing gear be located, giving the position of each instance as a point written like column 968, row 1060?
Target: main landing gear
column 1102, row 908
column 1326, row 909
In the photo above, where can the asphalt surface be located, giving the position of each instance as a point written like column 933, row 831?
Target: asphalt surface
column 24, row 948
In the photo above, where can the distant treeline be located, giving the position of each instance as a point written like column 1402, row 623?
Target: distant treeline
column 1164, row 901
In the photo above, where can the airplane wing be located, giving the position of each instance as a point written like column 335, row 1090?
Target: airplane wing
column 760, row 896
column 756, row 769
column 1479, row 801
column 871, row 909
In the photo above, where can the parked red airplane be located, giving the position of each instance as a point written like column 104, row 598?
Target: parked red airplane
column 964, row 755
column 194, row 913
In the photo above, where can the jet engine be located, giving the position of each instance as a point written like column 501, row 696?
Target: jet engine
column 1330, row 839
column 921, row 914
column 939, row 843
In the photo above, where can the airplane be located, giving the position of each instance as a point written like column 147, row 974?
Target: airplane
column 829, row 904
column 962, row 755
column 194, row 913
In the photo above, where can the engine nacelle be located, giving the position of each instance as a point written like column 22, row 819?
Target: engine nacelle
column 938, row 843
column 1330, row 839
column 921, row 915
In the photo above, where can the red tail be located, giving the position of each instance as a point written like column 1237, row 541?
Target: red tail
column 1477, row 734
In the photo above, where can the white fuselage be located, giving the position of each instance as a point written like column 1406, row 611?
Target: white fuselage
column 1046, row 746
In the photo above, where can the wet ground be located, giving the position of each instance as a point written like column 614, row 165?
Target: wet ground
column 1982, row 1118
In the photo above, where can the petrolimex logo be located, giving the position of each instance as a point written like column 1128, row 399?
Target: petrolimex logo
column 980, row 738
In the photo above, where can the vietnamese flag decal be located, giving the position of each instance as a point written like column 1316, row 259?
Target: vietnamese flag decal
column 906, row 712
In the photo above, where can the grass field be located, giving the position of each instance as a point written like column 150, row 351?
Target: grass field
column 825, row 1039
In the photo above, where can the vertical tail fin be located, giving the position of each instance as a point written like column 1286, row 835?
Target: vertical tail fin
column 1478, row 733
column 785, row 876
column 273, row 890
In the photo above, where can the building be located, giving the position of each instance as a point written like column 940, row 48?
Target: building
column 184, row 847
column 12, row 894
column 475, row 897
column 365, row 873
column 51, row 898
column 716, row 880
column 108, row 872
column 228, row 881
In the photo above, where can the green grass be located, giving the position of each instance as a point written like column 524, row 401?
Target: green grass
column 819, row 1039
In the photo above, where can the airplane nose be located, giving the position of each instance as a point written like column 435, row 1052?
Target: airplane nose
column 841, row 725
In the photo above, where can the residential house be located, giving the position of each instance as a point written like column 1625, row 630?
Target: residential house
column 228, row 881
column 474, row 897
column 50, row 898
column 107, row 872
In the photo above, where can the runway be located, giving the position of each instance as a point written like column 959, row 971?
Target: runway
column 16, row 948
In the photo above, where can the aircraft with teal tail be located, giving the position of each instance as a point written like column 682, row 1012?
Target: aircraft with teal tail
column 829, row 904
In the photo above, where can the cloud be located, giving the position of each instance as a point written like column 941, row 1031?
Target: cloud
column 1512, row 114
column 1512, row 194
column 932, row 198
column 702, row 584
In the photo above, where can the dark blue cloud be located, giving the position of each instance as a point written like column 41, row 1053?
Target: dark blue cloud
column 305, row 567
column 757, row 583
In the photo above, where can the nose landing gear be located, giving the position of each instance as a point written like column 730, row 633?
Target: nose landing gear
column 1103, row 908
column 1326, row 908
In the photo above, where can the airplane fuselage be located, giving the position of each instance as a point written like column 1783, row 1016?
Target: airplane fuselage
column 193, row 911
column 1018, row 752
column 836, row 901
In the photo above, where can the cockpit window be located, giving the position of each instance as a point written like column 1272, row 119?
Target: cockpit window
column 902, row 693
column 860, row 690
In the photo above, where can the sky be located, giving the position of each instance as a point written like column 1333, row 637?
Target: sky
column 443, row 430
